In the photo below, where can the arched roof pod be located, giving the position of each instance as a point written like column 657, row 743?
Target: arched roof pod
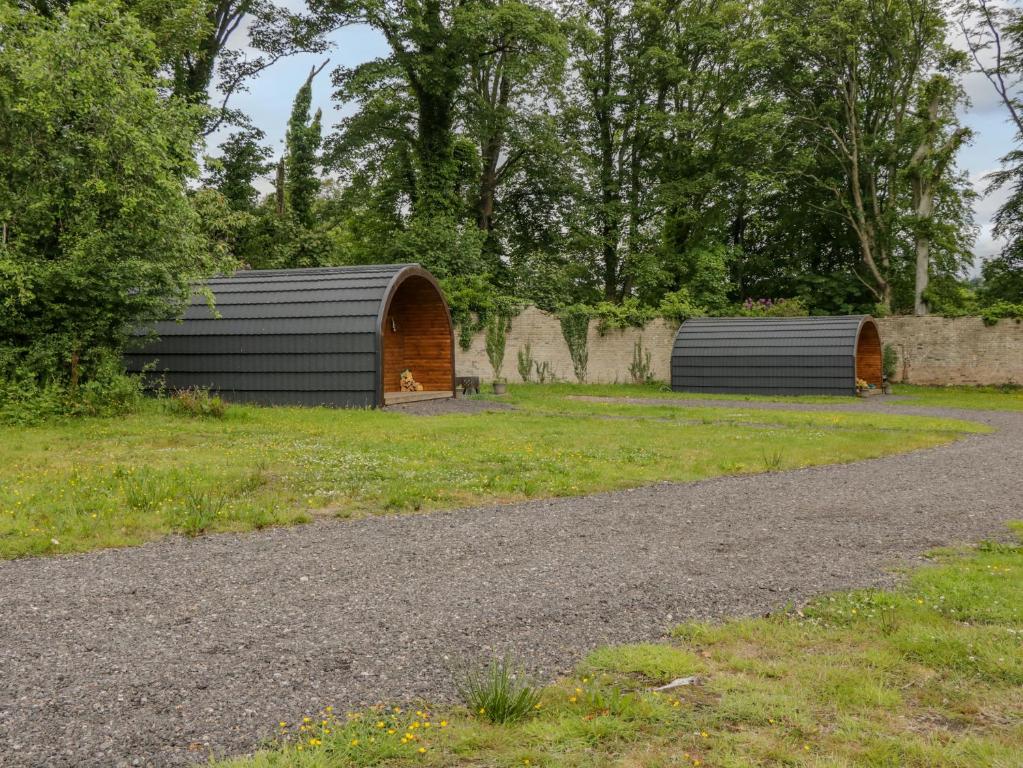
column 776, row 355
column 310, row 336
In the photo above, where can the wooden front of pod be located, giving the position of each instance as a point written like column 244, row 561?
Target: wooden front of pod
column 416, row 334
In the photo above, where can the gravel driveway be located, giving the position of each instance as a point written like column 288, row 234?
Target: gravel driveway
column 159, row 655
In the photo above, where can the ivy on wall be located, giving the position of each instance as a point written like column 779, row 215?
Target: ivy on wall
column 575, row 324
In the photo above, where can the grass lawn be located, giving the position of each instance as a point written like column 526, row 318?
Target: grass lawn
column 927, row 675
column 89, row 483
column 1004, row 398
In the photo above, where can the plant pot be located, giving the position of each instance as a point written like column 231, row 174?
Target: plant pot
column 500, row 387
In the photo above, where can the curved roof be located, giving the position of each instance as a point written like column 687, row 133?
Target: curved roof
column 305, row 336
column 767, row 355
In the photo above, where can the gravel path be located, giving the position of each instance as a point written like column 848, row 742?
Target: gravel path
column 159, row 654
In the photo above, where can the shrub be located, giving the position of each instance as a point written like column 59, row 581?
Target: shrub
column 679, row 306
column 498, row 691
column 889, row 361
column 544, row 371
column 771, row 308
column 629, row 314
column 1000, row 310
column 28, row 397
column 640, row 368
column 197, row 402
column 575, row 325
column 525, row 356
column 496, row 340
column 474, row 303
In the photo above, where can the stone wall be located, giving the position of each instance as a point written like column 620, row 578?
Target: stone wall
column 961, row 350
column 932, row 350
column 609, row 356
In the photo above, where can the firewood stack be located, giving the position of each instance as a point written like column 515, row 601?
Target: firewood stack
column 409, row 384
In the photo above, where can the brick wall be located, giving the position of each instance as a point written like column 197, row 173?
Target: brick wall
column 961, row 350
column 609, row 356
column 932, row 350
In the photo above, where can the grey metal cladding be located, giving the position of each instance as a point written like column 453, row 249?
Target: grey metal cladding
column 279, row 337
column 804, row 355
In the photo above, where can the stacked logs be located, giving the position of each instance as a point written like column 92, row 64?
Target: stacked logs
column 409, row 384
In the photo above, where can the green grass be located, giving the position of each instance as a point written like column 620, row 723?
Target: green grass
column 928, row 675
column 1005, row 398
column 89, row 483
column 991, row 398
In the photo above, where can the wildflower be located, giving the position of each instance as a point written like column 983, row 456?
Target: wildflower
column 355, row 742
column 397, row 710
column 283, row 724
column 422, row 750
column 703, row 734
column 380, row 723
column 483, row 710
column 806, row 747
column 578, row 690
column 307, row 719
column 314, row 742
column 328, row 709
column 571, row 699
column 391, row 731
column 443, row 723
column 537, row 705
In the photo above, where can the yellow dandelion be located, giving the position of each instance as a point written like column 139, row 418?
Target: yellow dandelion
column 537, row 705
column 806, row 747
column 483, row 710
column 307, row 719
column 380, row 723
column 283, row 724
column 703, row 734
column 571, row 699
column 443, row 723
column 397, row 710
column 328, row 709
column 578, row 690
column 355, row 742
column 391, row 731
column 422, row 750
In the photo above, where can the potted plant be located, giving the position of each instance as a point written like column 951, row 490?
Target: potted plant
column 496, row 338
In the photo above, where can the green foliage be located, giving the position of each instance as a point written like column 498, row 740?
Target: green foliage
column 679, row 306
column 303, row 144
column 496, row 340
column 26, row 398
column 639, row 370
column 196, row 402
column 770, row 308
column 98, row 235
column 498, row 691
column 889, row 362
column 1002, row 309
column 474, row 301
column 575, row 325
column 525, row 362
column 628, row 313
column 242, row 160
column 199, row 511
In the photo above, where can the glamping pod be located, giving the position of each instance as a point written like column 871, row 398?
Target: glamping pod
column 338, row 336
column 776, row 355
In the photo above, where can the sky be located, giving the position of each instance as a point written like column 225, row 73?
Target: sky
column 268, row 103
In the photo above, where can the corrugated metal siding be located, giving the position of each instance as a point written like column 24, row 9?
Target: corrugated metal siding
column 281, row 337
column 768, row 356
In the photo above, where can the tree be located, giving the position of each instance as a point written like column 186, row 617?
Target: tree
column 516, row 59
column 98, row 235
column 994, row 36
column 935, row 150
column 850, row 71
column 242, row 160
column 301, row 157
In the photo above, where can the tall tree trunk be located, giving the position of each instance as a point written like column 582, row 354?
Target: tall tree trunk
column 926, row 168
